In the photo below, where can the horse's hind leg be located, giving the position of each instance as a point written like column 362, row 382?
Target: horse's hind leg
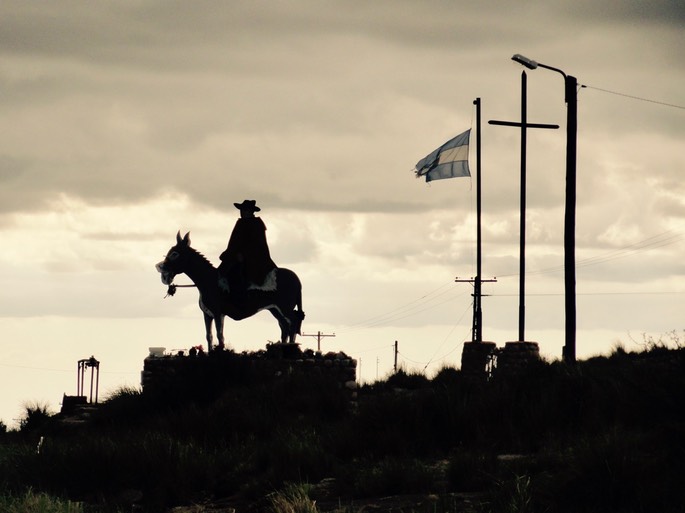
column 208, row 330
column 283, row 323
column 219, row 324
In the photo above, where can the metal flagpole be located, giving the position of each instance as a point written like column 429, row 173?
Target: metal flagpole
column 477, row 326
column 477, row 311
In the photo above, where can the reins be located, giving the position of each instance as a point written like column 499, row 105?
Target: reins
column 172, row 289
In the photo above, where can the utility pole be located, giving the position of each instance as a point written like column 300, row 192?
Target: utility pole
column 395, row 366
column 477, row 326
column 571, row 89
column 571, row 98
column 318, row 336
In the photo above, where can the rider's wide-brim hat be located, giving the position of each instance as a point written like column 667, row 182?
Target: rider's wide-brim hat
column 247, row 205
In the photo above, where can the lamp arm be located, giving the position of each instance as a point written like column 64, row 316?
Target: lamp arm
column 553, row 69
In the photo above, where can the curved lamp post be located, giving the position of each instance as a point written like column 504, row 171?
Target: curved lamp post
column 571, row 98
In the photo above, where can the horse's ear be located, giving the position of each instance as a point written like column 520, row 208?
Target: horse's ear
column 186, row 239
column 178, row 237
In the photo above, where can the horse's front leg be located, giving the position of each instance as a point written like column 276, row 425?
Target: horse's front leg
column 208, row 330
column 219, row 325
column 284, row 332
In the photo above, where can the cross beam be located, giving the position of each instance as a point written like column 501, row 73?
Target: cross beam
column 318, row 336
column 477, row 325
column 523, row 125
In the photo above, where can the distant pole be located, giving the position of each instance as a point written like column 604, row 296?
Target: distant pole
column 94, row 380
column 318, row 336
column 79, row 377
column 395, row 366
column 91, row 385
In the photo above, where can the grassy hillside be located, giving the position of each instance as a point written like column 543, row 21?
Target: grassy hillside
column 607, row 434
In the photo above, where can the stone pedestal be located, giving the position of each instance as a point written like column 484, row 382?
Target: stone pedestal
column 477, row 359
column 72, row 402
column 218, row 370
column 516, row 357
column 279, row 350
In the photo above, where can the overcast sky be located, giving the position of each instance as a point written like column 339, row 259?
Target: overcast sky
column 126, row 121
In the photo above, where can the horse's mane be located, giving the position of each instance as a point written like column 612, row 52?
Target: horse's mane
column 200, row 255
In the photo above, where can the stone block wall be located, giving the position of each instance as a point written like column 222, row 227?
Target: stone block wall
column 206, row 373
column 477, row 360
column 482, row 360
column 516, row 357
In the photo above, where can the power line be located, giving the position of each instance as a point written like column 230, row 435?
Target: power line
column 318, row 336
column 634, row 97
column 654, row 242
column 403, row 312
column 448, row 336
column 646, row 293
column 378, row 348
column 430, row 300
column 432, row 358
column 47, row 369
column 402, row 307
column 410, row 360
column 431, row 361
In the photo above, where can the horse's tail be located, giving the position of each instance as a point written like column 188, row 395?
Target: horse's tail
column 297, row 325
column 300, row 312
column 297, row 315
column 299, row 299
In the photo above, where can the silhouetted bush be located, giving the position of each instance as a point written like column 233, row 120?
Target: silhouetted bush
column 36, row 417
column 407, row 380
column 603, row 435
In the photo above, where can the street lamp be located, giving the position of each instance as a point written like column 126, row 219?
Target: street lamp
column 571, row 98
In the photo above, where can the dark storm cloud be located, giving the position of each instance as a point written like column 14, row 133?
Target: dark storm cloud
column 168, row 33
column 631, row 12
column 325, row 103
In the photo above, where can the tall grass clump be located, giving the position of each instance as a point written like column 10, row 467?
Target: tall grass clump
column 36, row 417
column 293, row 498
column 38, row 502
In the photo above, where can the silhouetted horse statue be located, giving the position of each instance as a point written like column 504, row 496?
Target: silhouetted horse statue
column 281, row 293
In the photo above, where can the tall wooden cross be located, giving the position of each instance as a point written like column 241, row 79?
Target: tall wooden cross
column 524, row 125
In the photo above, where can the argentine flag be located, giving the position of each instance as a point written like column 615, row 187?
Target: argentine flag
column 450, row 160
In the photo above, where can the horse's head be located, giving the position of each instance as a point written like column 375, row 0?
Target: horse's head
column 174, row 261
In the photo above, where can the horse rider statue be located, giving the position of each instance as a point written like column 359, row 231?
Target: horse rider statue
column 246, row 259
